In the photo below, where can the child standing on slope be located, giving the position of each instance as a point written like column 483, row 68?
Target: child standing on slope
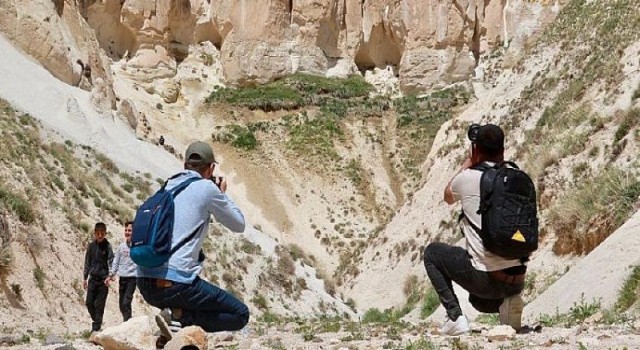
column 96, row 272
column 125, row 268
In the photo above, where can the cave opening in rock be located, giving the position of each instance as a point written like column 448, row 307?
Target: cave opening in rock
column 382, row 50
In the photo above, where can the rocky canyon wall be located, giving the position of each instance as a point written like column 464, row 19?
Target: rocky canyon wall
column 427, row 43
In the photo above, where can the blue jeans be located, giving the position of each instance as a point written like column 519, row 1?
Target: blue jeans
column 203, row 304
column 445, row 263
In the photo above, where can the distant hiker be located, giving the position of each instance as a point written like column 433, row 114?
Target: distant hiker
column 125, row 268
column 161, row 141
column 174, row 286
column 494, row 281
column 97, row 260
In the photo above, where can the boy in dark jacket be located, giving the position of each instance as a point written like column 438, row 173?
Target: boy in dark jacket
column 97, row 261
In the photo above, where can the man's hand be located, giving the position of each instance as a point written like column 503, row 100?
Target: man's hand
column 223, row 185
column 448, row 194
column 84, row 284
column 466, row 164
column 108, row 280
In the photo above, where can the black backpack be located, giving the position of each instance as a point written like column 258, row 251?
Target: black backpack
column 508, row 210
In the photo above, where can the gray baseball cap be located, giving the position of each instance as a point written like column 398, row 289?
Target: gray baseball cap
column 199, row 153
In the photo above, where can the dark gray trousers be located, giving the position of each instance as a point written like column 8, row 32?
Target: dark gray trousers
column 446, row 263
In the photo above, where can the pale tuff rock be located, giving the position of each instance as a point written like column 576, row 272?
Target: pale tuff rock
column 136, row 333
column 427, row 43
column 190, row 336
column 129, row 112
column 384, row 80
column 140, row 333
column 501, row 333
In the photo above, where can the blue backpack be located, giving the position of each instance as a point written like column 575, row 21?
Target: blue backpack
column 153, row 227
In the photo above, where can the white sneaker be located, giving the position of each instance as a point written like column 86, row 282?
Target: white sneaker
column 167, row 324
column 457, row 327
column 511, row 312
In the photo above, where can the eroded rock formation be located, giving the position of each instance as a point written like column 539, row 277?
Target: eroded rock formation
column 427, row 43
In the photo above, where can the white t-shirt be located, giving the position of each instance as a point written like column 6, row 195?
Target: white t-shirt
column 466, row 187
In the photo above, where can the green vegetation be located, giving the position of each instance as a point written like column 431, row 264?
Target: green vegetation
column 629, row 120
column 577, row 313
column 18, row 205
column 489, row 319
column 421, row 344
column 589, row 208
column 292, row 92
column 430, row 303
column 628, row 295
column 323, row 111
column 268, row 317
column 5, row 258
column 374, row 315
column 315, row 136
column 592, row 37
column 617, row 27
column 39, row 275
column 85, row 176
column 260, row 302
column 267, row 97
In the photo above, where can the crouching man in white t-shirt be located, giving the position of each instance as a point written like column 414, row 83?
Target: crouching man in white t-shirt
column 493, row 282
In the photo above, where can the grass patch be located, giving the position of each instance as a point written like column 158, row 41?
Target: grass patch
column 18, row 205
column 39, row 276
column 5, row 258
column 629, row 120
column 628, row 295
column 585, row 216
column 267, row 97
column 579, row 312
column 430, row 303
column 488, row 319
column 421, row 344
column 375, row 315
column 292, row 92
column 314, row 137
column 260, row 302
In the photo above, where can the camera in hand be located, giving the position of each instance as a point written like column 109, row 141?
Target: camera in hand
column 472, row 133
column 217, row 180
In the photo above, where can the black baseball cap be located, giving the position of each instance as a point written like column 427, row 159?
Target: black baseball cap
column 490, row 138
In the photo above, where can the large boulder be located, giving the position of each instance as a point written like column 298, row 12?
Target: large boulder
column 141, row 333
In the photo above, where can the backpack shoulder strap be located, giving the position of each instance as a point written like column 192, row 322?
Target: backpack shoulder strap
column 176, row 191
column 186, row 239
column 481, row 166
column 183, row 185
column 507, row 162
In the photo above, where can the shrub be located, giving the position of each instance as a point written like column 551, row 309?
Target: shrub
column 315, row 137
column 629, row 120
column 430, row 303
column 18, row 205
column 628, row 295
column 267, row 98
column 243, row 138
column 412, row 289
column 5, row 259
column 579, row 312
column 589, row 207
column 260, row 302
column 39, row 275
column 106, row 163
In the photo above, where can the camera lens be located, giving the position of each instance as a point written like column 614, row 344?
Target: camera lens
column 472, row 133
